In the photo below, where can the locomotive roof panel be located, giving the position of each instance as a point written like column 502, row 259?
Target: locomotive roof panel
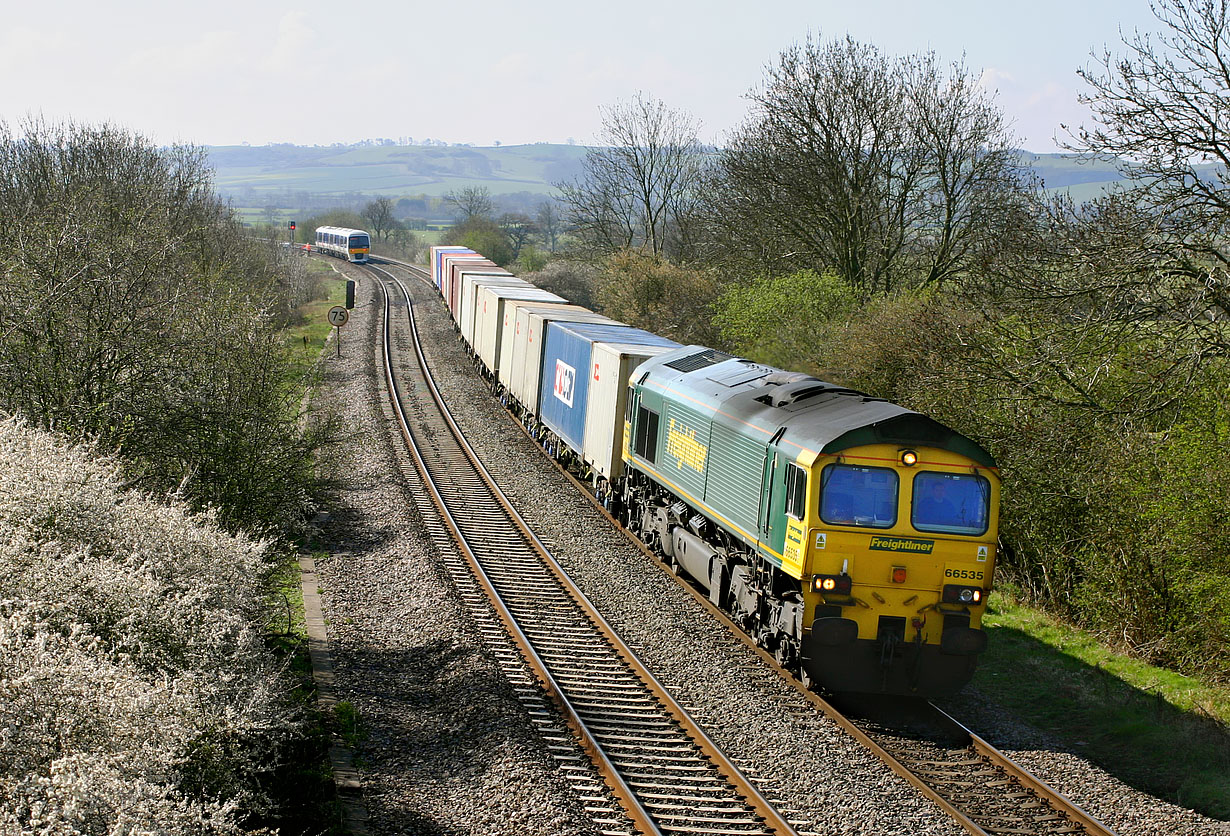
column 812, row 415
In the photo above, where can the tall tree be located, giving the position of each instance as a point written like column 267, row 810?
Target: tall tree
column 884, row 171
column 640, row 186
column 1163, row 109
column 549, row 223
column 379, row 216
column 518, row 227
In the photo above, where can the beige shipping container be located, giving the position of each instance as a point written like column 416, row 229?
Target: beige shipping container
column 489, row 317
column 509, row 331
column 450, row 265
column 612, row 366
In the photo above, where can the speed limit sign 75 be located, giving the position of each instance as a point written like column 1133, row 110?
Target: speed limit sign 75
column 338, row 315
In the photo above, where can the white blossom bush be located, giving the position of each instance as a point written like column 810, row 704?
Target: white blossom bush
column 136, row 695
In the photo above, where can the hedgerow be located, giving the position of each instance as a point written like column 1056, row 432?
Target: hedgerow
column 136, row 694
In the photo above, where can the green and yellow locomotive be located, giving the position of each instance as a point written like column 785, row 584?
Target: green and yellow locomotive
column 854, row 538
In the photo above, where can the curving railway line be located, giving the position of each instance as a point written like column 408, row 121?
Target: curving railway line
column 663, row 770
column 646, row 765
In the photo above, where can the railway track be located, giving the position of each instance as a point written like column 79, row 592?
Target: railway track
column 662, row 769
column 981, row 788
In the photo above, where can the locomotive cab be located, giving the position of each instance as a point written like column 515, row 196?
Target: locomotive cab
column 896, row 551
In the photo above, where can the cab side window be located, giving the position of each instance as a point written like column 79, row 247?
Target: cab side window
column 796, row 491
column 645, row 437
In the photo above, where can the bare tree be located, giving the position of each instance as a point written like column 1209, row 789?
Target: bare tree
column 471, row 202
column 518, row 227
column 549, row 223
column 379, row 216
column 884, row 171
column 1162, row 109
column 640, row 187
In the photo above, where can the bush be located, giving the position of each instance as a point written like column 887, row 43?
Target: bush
column 574, row 280
column 649, row 292
column 136, row 694
column 783, row 320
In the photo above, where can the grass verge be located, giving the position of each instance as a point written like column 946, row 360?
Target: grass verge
column 307, row 803
column 307, row 338
column 1156, row 730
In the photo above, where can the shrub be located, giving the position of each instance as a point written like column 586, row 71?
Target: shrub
column 135, row 690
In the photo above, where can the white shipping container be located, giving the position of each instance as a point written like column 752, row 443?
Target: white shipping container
column 509, row 332
column 612, row 365
column 529, row 345
column 489, row 317
column 463, row 314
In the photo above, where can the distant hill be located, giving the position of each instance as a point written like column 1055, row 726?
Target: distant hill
column 256, row 175
column 253, row 174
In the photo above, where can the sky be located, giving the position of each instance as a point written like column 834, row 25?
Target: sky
column 227, row 72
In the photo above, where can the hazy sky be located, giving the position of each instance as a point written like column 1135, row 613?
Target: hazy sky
column 226, row 72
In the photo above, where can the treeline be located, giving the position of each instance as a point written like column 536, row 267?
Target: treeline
column 138, row 315
column 870, row 223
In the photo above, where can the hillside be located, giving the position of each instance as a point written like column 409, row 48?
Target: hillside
column 252, row 175
column 285, row 174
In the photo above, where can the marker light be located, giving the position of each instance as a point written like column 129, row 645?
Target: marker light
column 909, row 458
column 898, row 574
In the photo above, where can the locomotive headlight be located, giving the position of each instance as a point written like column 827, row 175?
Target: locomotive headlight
column 909, row 458
column 834, row 584
column 954, row 594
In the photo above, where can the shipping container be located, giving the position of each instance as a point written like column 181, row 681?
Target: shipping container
column 510, row 332
column 448, row 259
column 452, row 276
column 567, row 371
column 490, row 316
column 528, row 346
column 611, row 364
column 437, row 258
column 466, row 305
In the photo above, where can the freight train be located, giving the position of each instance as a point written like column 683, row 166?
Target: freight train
column 853, row 538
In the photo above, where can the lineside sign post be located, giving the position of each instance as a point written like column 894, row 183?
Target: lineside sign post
column 337, row 318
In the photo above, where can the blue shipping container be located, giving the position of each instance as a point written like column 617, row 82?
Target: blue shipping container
column 566, row 367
